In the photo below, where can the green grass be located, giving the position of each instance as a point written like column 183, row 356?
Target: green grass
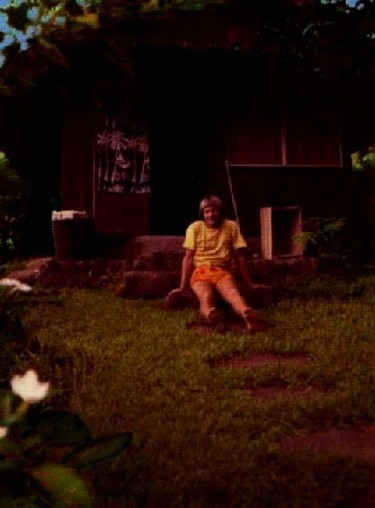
column 203, row 441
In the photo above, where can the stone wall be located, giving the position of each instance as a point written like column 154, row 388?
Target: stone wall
column 150, row 275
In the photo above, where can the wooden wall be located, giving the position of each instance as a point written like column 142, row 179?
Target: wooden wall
column 319, row 192
column 188, row 95
column 77, row 140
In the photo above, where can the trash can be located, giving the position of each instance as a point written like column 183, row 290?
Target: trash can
column 73, row 236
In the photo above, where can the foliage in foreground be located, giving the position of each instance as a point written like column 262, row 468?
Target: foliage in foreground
column 42, row 451
column 123, row 364
column 44, row 454
column 24, row 216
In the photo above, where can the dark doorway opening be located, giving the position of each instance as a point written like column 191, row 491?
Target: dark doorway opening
column 181, row 92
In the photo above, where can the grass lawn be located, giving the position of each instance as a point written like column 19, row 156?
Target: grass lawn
column 203, row 441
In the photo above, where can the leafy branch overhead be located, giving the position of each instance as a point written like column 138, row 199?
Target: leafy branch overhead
column 330, row 37
column 34, row 33
column 21, row 21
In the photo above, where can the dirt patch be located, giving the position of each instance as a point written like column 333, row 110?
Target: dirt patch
column 258, row 360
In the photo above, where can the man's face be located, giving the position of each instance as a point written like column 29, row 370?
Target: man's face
column 211, row 216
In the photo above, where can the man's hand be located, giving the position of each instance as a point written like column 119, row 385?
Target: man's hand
column 178, row 291
column 260, row 288
column 187, row 270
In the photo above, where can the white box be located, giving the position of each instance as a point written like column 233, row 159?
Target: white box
column 278, row 225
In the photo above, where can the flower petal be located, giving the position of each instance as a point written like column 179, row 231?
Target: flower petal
column 9, row 282
column 28, row 387
column 25, row 288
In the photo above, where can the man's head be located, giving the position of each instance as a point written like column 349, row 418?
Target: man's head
column 211, row 211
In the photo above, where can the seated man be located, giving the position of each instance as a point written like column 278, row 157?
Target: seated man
column 210, row 246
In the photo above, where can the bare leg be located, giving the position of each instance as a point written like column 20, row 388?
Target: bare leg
column 229, row 291
column 206, row 297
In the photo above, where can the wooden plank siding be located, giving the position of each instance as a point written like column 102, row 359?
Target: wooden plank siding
column 319, row 191
column 283, row 148
column 117, row 214
column 78, row 138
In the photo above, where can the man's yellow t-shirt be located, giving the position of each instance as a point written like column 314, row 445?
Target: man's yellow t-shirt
column 213, row 247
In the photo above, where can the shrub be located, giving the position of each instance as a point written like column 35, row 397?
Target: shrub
column 24, row 216
column 334, row 239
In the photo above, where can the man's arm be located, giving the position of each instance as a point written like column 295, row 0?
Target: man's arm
column 187, row 269
column 257, row 293
column 241, row 265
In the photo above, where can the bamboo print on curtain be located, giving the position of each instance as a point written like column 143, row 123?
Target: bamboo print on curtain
column 122, row 160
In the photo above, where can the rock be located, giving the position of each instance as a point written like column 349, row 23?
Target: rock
column 33, row 271
column 177, row 299
column 149, row 284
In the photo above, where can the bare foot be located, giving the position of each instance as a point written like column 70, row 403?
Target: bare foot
column 214, row 317
column 250, row 317
column 249, row 327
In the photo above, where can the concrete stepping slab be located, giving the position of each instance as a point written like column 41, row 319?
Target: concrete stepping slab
column 357, row 443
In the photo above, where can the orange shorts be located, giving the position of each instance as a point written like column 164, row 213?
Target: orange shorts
column 209, row 273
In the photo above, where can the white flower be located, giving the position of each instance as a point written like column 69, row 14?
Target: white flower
column 9, row 282
column 3, row 432
column 25, row 288
column 28, row 387
column 15, row 285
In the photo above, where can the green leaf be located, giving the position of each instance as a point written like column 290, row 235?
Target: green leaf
column 17, row 16
column 62, row 485
column 61, row 427
column 9, row 450
column 6, row 465
column 5, row 89
column 52, row 53
column 29, row 501
column 357, row 163
column 13, row 480
column 98, row 451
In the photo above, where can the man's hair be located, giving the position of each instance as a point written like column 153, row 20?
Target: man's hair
column 213, row 201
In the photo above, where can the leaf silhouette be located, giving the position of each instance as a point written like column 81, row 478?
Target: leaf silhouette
column 63, row 485
column 98, row 450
